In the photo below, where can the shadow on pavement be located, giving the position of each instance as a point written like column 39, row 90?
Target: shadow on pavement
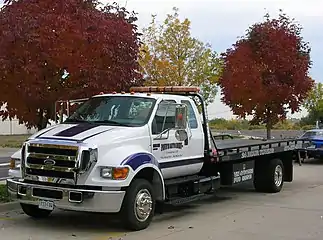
column 78, row 222
column 314, row 161
column 69, row 221
column 73, row 221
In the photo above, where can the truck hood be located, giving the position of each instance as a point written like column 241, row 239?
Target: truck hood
column 88, row 132
column 75, row 132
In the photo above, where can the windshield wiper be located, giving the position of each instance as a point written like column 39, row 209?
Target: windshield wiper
column 113, row 122
column 75, row 121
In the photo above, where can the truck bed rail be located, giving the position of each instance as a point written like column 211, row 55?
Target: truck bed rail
column 241, row 149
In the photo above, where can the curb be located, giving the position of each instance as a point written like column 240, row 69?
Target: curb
column 10, row 206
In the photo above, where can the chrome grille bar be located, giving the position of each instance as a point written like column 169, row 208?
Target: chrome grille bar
column 52, row 160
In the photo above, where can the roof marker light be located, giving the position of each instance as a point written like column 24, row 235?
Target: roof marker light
column 163, row 89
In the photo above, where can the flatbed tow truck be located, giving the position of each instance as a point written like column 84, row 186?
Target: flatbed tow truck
column 130, row 153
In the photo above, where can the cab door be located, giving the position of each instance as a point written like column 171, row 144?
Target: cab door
column 195, row 131
column 173, row 154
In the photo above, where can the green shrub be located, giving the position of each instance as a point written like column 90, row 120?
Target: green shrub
column 4, row 193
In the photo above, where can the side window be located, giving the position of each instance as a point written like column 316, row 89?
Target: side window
column 191, row 115
column 165, row 117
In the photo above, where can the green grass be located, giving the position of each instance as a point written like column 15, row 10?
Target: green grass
column 12, row 141
column 4, row 194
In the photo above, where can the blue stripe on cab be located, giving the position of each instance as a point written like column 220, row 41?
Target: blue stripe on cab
column 138, row 159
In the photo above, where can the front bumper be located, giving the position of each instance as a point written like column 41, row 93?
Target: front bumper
column 66, row 198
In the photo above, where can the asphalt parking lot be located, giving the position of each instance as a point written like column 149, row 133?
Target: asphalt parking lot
column 236, row 214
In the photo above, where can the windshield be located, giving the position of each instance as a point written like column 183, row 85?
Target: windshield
column 114, row 110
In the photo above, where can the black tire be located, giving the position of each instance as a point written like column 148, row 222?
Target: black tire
column 34, row 211
column 265, row 177
column 129, row 216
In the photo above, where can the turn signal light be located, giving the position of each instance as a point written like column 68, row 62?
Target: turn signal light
column 120, row 173
column 12, row 164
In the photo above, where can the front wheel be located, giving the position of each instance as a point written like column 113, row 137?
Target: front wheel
column 139, row 205
column 34, row 211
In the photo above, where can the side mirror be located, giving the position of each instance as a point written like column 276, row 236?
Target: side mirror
column 181, row 116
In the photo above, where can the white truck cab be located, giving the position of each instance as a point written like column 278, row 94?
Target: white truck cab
column 115, row 151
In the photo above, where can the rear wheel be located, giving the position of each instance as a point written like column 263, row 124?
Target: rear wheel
column 278, row 178
column 34, row 211
column 270, row 177
column 139, row 205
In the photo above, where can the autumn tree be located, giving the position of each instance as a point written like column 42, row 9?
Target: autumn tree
column 266, row 71
column 314, row 104
column 171, row 56
column 314, row 101
column 63, row 49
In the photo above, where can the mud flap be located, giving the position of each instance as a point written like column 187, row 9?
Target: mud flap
column 237, row 173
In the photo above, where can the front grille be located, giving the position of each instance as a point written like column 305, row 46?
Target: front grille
column 50, row 173
column 48, row 160
column 39, row 160
column 53, row 149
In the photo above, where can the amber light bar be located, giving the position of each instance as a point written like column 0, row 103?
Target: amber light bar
column 165, row 89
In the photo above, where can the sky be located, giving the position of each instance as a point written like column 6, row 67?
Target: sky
column 221, row 22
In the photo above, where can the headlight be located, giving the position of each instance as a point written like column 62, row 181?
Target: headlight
column 106, row 172
column 14, row 163
column 116, row 173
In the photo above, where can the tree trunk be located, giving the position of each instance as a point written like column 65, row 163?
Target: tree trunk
column 42, row 121
column 268, row 123
column 268, row 128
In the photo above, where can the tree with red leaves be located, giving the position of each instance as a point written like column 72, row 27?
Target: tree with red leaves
column 63, row 49
column 266, row 72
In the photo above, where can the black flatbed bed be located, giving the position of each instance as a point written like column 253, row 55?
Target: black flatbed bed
column 234, row 143
column 235, row 149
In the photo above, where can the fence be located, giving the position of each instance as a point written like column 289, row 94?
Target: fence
column 13, row 127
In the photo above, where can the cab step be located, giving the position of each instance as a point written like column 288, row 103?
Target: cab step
column 185, row 200
column 180, row 180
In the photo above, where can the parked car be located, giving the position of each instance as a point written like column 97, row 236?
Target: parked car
column 315, row 150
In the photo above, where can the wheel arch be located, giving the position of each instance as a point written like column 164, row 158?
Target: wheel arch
column 146, row 166
column 152, row 174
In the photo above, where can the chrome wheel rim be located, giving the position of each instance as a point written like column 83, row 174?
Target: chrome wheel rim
column 143, row 205
column 278, row 175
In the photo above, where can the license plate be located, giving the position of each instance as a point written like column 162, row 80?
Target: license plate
column 46, row 205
